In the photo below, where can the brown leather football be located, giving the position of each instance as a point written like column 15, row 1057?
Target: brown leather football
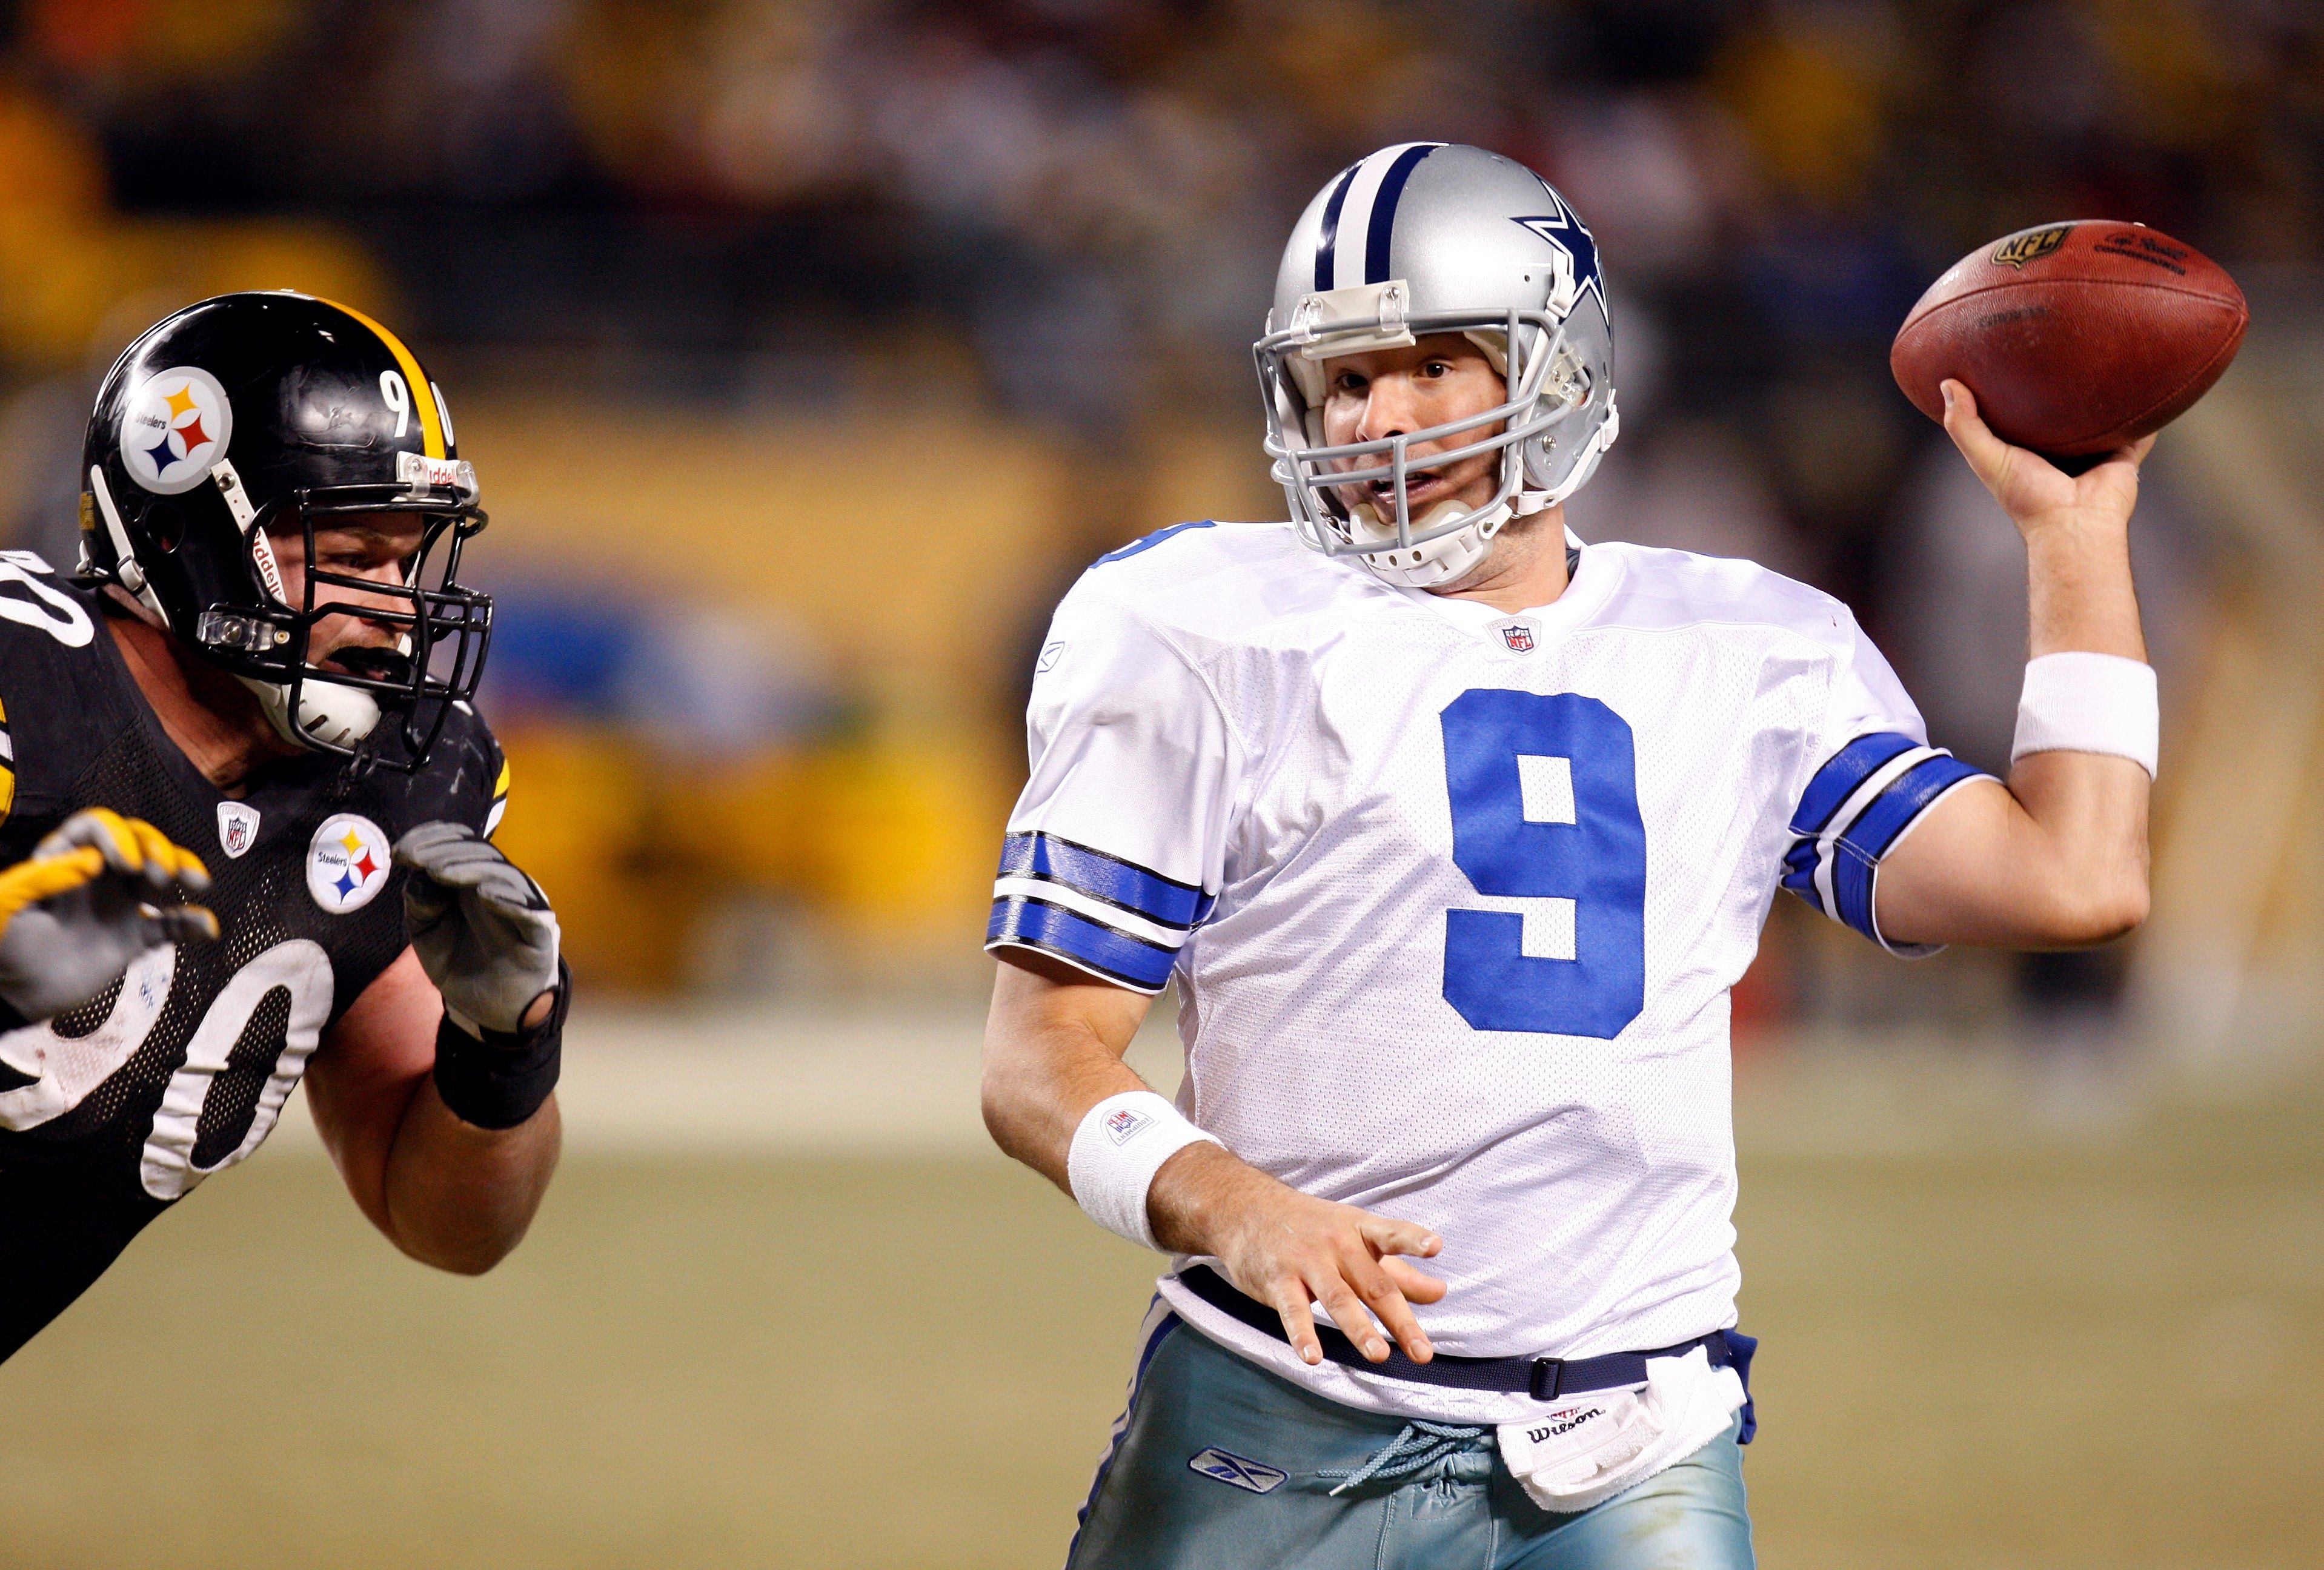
column 2075, row 338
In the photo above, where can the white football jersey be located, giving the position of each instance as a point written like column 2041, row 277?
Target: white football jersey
column 1454, row 898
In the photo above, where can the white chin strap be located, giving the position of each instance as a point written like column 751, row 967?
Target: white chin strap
column 1442, row 560
column 329, row 712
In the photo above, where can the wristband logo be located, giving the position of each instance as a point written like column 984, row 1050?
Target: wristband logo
column 1122, row 1126
column 347, row 863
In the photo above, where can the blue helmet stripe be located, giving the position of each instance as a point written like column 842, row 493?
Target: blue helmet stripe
column 1382, row 228
column 1327, row 243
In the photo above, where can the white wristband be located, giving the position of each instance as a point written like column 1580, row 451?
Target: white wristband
column 1121, row 1143
column 2090, row 702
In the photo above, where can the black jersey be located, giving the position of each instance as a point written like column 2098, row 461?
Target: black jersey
column 113, row 1111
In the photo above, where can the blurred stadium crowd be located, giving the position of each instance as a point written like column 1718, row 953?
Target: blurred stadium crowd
column 807, row 349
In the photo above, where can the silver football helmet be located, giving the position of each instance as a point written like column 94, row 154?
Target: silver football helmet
column 1432, row 237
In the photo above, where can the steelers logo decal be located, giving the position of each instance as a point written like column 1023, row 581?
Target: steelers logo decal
column 175, row 426
column 347, row 863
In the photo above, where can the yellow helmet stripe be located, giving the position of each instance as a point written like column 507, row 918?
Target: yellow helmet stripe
column 423, row 395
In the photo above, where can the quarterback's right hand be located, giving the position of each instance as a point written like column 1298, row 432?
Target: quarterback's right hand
column 75, row 914
column 1291, row 1250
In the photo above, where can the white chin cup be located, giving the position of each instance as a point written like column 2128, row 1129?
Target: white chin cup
column 1437, row 561
column 329, row 712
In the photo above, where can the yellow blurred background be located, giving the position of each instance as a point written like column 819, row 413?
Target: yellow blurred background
column 807, row 351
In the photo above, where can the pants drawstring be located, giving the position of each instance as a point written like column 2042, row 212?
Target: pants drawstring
column 1417, row 1446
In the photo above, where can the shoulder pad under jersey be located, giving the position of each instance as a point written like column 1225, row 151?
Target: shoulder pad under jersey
column 65, row 693
column 466, row 780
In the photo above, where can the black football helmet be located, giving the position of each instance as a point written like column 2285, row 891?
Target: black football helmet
column 252, row 413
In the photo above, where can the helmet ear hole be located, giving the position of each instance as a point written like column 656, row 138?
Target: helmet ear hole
column 165, row 526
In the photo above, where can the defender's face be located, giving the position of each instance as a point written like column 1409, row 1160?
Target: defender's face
column 1387, row 392
column 380, row 547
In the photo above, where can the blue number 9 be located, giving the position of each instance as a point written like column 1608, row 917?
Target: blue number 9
column 1582, row 840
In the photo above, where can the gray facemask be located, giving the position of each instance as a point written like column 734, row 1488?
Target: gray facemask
column 1420, row 239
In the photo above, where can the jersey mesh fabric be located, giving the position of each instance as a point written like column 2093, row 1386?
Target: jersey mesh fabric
column 261, row 899
column 1583, row 1183
column 72, row 1190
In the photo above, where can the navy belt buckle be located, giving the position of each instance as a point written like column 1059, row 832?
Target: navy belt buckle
column 1548, row 1374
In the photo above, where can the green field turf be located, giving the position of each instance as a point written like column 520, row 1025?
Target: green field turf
column 2106, row 1351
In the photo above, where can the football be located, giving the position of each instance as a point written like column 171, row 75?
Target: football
column 2076, row 337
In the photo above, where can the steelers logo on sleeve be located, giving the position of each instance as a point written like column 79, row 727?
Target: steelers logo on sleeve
column 175, row 429
column 347, row 863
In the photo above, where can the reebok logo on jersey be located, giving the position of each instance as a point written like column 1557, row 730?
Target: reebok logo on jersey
column 1123, row 1125
column 1239, row 1471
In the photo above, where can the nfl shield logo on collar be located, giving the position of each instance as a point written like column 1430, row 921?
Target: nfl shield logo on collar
column 1240, row 1471
column 237, row 828
column 1517, row 636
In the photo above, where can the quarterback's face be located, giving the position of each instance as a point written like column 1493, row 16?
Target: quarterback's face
column 1390, row 392
column 380, row 547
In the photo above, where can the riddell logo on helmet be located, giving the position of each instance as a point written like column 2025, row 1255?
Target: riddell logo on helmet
column 173, row 428
column 420, row 472
column 269, row 573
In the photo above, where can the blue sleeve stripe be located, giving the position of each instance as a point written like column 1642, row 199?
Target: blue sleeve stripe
column 1151, row 540
column 1119, row 883
column 1847, row 860
column 1031, row 923
column 1839, row 777
column 1800, row 871
column 1851, row 892
column 1890, row 812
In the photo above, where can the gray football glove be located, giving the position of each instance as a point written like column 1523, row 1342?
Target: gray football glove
column 79, row 910
column 484, row 930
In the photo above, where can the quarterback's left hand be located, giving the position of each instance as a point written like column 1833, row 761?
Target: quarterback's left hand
column 484, row 931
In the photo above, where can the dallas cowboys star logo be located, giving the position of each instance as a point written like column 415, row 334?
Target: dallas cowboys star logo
column 1562, row 227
